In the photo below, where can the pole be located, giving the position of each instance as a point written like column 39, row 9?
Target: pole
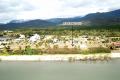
column 72, row 36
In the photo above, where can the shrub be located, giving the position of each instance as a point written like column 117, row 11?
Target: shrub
column 99, row 50
column 30, row 51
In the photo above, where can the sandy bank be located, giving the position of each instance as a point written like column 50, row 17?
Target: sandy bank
column 58, row 57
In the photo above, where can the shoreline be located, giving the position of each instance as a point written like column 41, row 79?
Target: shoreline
column 60, row 57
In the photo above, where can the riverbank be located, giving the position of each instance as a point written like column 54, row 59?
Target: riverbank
column 60, row 57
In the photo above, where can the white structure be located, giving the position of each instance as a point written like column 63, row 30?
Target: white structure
column 47, row 37
column 1, row 46
column 81, row 42
column 4, row 41
column 72, row 23
column 55, row 40
column 21, row 38
column 34, row 38
column 8, row 31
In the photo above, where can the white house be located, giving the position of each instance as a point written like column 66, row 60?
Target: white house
column 21, row 38
column 82, row 42
column 4, row 41
column 2, row 46
column 55, row 40
column 8, row 31
column 34, row 38
column 47, row 37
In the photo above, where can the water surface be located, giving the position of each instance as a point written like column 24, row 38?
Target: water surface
column 60, row 70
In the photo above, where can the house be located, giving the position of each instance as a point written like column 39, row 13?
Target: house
column 116, row 45
column 34, row 38
column 8, row 31
column 55, row 40
column 1, row 47
column 48, row 37
column 21, row 38
column 4, row 42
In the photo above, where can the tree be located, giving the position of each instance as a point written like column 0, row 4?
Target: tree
column 28, row 50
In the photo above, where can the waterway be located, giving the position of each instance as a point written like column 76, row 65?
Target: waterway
column 60, row 70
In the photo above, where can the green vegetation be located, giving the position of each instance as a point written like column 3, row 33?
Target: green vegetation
column 109, row 31
column 97, row 50
column 55, row 50
column 115, row 39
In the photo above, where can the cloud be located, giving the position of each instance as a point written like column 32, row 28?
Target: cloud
column 44, row 9
column 9, row 9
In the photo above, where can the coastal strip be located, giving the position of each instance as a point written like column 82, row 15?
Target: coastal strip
column 60, row 57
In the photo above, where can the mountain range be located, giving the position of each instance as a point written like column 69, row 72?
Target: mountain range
column 105, row 18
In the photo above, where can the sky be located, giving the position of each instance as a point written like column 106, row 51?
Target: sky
column 46, row 9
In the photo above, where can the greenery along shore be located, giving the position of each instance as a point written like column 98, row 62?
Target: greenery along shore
column 30, row 51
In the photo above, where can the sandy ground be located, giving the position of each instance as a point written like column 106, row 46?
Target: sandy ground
column 58, row 57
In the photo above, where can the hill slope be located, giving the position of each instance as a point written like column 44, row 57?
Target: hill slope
column 94, row 19
column 31, row 23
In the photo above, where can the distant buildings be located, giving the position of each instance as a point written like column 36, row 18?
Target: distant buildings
column 34, row 38
column 21, row 38
column 4, row 42
column 49, row 41
column 72, row 23
column 8, row 31
column 116, row 45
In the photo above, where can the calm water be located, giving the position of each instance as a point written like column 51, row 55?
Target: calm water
column 60, row 70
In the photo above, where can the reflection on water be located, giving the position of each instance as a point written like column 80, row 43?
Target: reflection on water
column 60, row 70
